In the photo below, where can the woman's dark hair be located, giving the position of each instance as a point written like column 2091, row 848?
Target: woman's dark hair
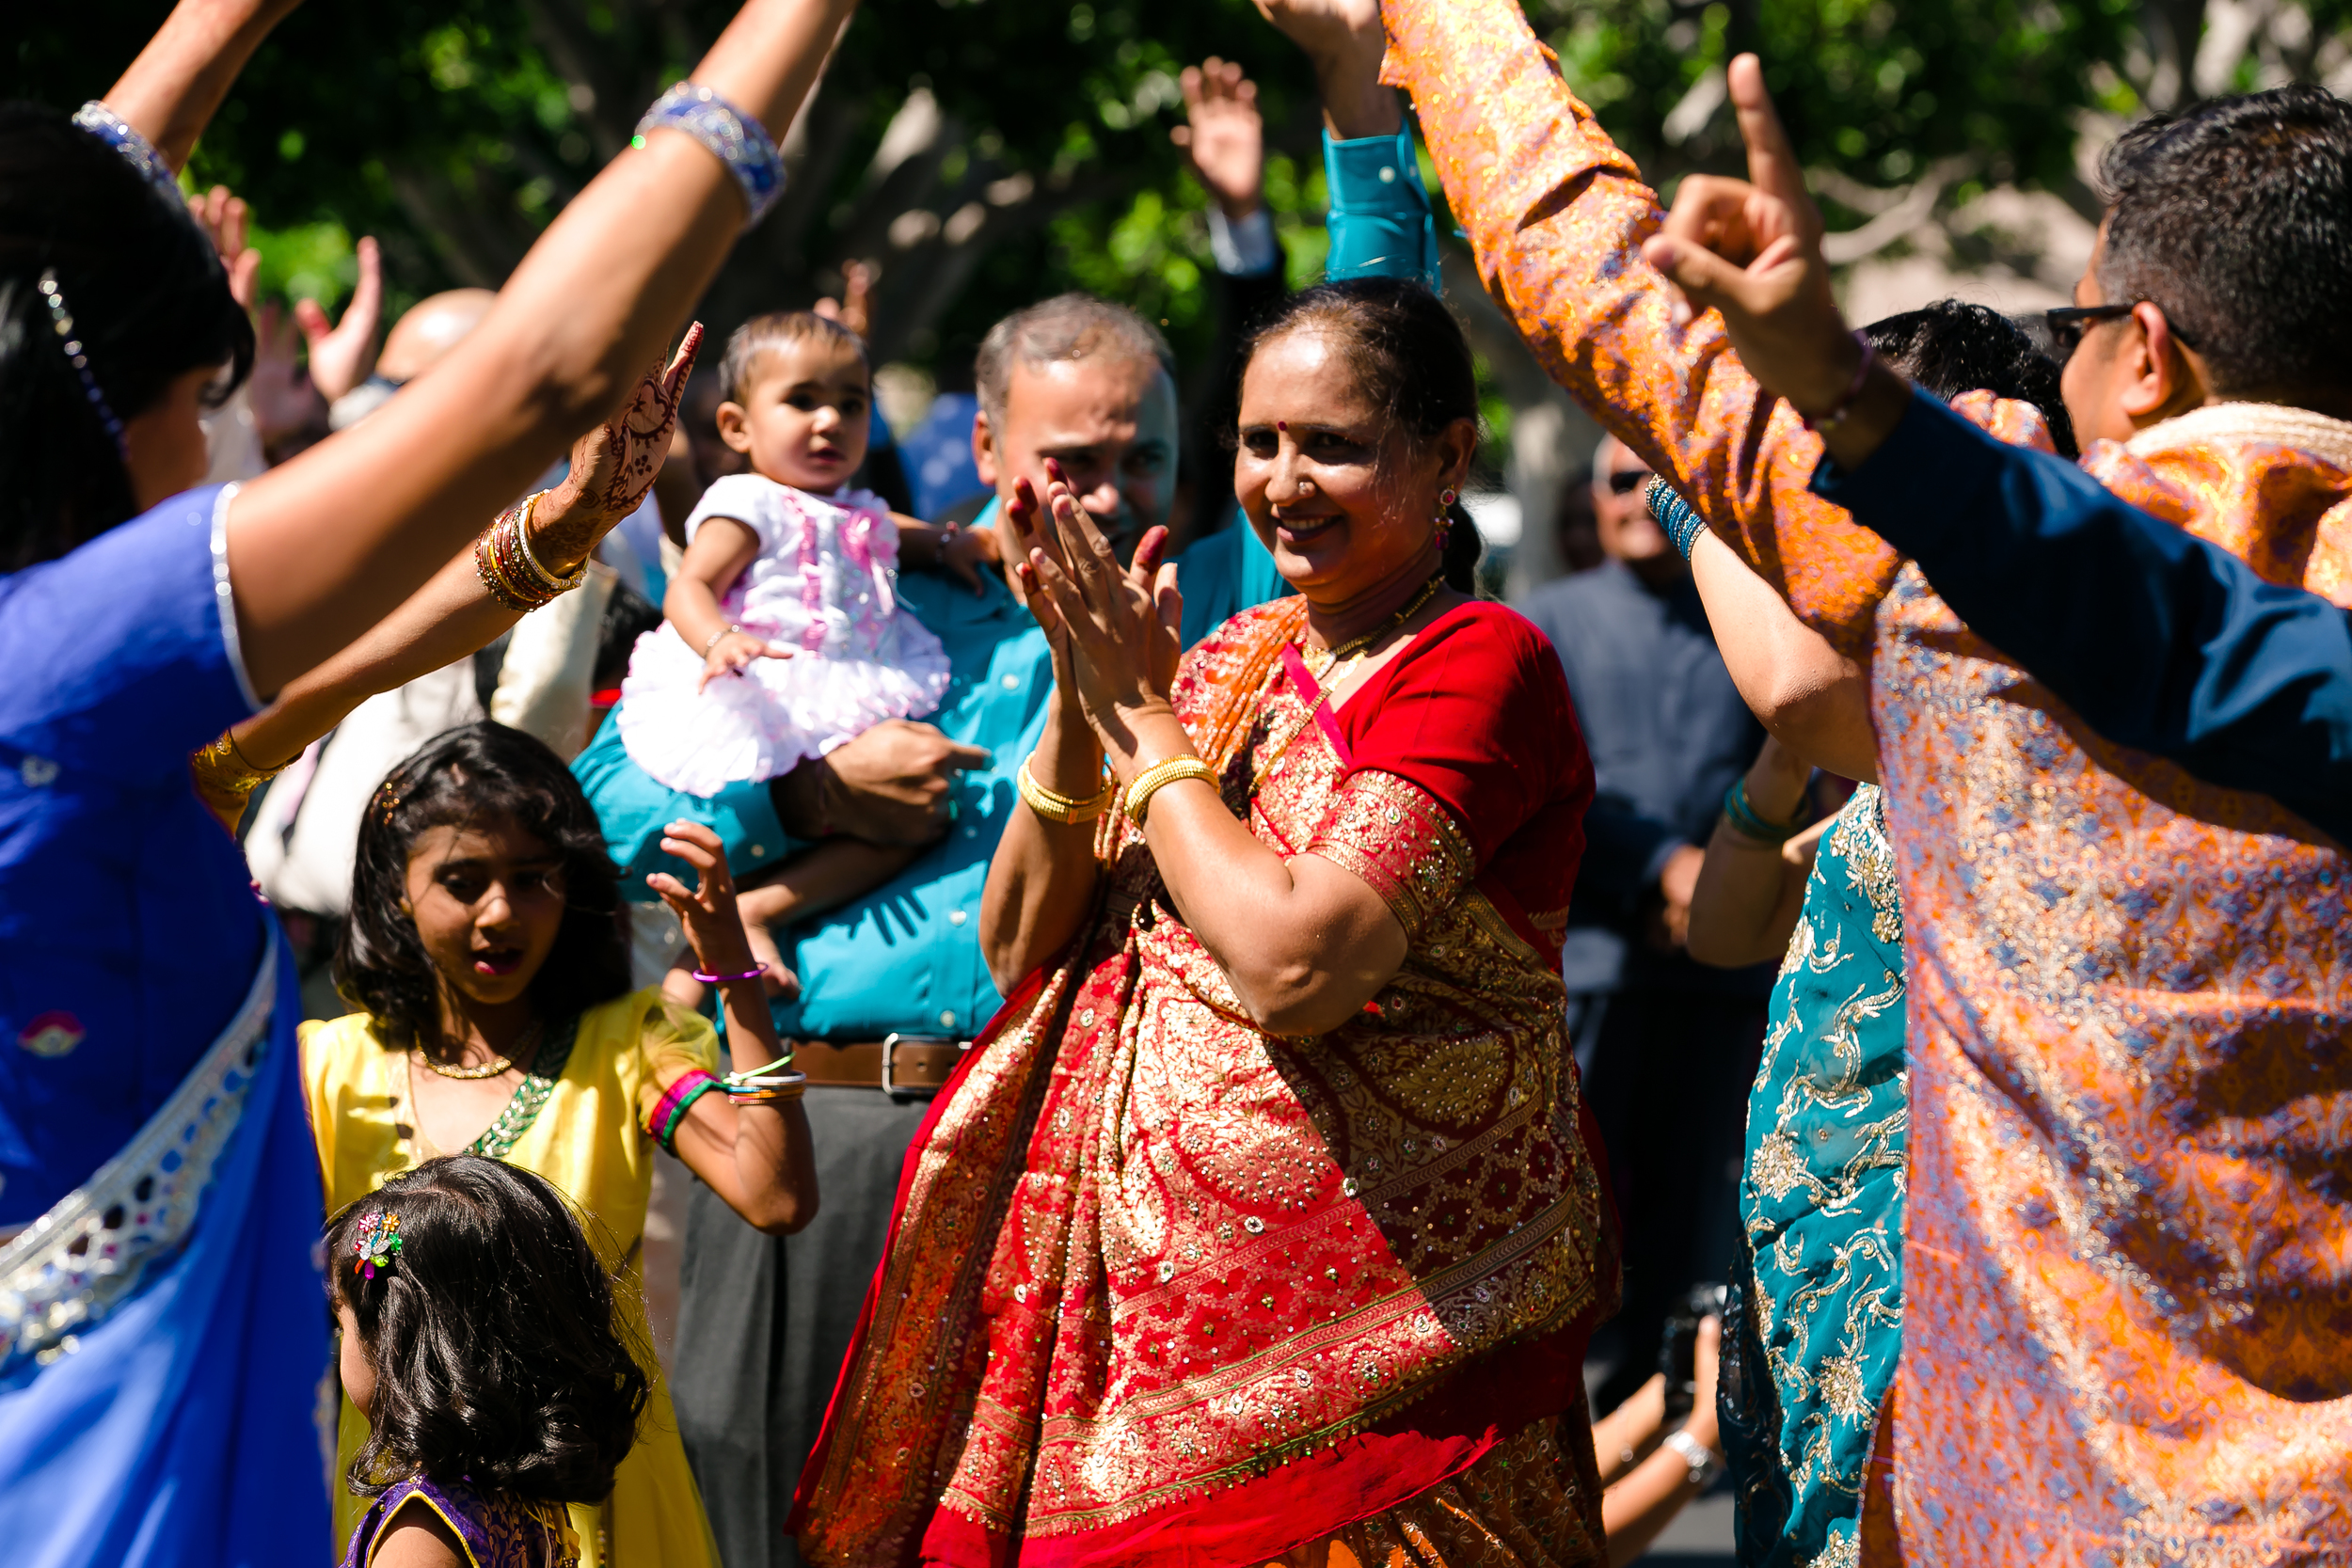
column 149, row 301
column 498, row 1355
column 1410, row 359
column 1953, row 347
column 472, row 775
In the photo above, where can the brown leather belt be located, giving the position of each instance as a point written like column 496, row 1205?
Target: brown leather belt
column 902, row 1065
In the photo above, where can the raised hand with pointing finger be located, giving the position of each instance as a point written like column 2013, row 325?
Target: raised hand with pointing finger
column 1752, row 249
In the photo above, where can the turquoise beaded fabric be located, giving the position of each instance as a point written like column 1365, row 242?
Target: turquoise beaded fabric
column 1821, row 1199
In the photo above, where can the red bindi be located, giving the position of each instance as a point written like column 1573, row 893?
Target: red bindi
column 1281, row 424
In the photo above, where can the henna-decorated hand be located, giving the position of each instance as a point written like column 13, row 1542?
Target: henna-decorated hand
column 614, row 465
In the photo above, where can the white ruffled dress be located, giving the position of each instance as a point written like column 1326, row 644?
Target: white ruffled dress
column 821, row 585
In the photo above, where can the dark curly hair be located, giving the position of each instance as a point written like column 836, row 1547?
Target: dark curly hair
column 1410, row 361
column 500, row 1357
column 1951, row 347
column 149, row 301
column 472, row 774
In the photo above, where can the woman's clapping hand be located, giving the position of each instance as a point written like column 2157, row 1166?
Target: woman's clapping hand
column 1115, row 630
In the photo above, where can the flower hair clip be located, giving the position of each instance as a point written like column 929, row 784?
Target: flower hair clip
column 377, row 1244
column 386, row 801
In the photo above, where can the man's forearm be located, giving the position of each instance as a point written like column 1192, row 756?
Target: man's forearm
column 2159, row 640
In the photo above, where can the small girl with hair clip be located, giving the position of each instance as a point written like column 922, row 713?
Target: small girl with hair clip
column 497, row 1018
column 784, row 637
column 482, row 1341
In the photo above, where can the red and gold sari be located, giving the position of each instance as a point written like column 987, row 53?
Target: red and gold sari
column 1166, row 1289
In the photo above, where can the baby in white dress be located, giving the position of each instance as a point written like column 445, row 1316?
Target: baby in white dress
column 783, row 637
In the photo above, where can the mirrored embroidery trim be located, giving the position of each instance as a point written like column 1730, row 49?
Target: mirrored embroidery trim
column 91, row 1253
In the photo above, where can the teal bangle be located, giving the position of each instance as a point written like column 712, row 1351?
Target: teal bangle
column 1740, row 812
column 1682, row 524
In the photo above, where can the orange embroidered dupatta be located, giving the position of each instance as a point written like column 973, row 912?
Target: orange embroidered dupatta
column 1164, row 1287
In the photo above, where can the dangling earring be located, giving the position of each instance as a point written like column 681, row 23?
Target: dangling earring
column 1446, row 498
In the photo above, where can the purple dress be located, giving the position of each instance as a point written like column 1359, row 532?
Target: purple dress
column 497, row 1530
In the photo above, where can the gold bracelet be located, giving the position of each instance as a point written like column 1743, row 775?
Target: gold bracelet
column 547, row 580
column 1060, row 808
column 224, row 781
column 1159, row 776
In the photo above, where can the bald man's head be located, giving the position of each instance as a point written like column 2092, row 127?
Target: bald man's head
column 431, row 328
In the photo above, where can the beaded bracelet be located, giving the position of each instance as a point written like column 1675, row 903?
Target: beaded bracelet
column 1064, row 809
column 1742, row 814
column 734, row 138
column 1158, row 777
column 1682, row 524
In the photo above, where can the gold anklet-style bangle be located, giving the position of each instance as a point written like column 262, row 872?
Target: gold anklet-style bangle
column 1064, row 809
column 1158, row 777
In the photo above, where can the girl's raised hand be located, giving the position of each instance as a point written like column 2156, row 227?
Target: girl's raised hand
column 713, row 927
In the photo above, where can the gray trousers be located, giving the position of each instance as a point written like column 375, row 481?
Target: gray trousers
column 763, row 1321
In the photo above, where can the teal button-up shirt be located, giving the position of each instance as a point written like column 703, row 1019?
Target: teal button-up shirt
column 906, row 958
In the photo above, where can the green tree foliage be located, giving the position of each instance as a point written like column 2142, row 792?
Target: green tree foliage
column 454, row 129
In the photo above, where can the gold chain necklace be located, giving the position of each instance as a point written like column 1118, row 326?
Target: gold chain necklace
column 1330, row 675
column 491, row 1069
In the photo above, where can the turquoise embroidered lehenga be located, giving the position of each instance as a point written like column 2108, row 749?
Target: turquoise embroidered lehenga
column 1810, row 1344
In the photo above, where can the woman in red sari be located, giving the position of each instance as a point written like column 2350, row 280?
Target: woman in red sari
column 1262, row 1226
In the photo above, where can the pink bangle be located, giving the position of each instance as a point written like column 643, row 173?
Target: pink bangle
column 709, row 980
column 1837, row 416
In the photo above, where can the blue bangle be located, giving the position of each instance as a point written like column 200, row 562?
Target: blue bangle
column 733, row 137
column 1742, row 814
column 1675, row 515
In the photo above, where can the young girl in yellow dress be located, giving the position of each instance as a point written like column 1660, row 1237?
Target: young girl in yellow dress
column 497, row 1018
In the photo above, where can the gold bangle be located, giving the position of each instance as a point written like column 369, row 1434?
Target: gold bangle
column 1060, row 808
column 224, row 781
column 547, row 580
column 1159, row 776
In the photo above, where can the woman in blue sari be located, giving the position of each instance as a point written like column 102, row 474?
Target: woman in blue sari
column 162, row 1345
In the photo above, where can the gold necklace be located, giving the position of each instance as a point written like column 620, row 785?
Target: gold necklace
column 491, row 1069
column 1330, row 675
column 1354, row 647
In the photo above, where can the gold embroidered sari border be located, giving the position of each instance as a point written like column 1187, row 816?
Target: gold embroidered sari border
column 1372, row 1413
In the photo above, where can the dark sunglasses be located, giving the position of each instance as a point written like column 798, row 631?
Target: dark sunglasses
column 2068, row 324
column 1626, row 481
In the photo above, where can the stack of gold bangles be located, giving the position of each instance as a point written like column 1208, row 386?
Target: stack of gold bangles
column 1051, row 807
column 1159, row 776
column 510, row 571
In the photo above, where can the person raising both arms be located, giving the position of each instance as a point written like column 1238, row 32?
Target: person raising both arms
column 150, row 1115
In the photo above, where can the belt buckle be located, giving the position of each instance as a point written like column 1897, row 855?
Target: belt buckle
column 890, row 1054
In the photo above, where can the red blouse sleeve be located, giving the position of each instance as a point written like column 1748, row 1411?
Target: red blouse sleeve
column 1476, row 714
